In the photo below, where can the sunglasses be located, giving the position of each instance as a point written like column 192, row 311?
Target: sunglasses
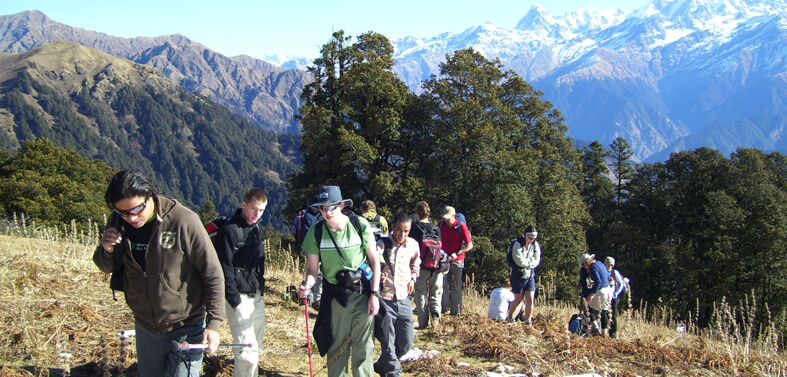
column 330, row 207
column 134, row 211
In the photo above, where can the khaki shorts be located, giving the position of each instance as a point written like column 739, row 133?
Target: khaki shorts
column 602, row 300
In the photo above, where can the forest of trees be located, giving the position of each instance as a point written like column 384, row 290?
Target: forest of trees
column 195, row 150
column 689, row 232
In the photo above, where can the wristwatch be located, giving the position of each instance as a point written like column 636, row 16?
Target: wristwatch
column 376, row 293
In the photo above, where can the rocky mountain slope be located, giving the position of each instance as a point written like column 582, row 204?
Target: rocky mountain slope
column 266, row 94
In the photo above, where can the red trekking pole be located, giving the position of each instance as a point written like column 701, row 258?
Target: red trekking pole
column 308, row 336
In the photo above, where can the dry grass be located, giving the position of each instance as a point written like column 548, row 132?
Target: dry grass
column 56, row 303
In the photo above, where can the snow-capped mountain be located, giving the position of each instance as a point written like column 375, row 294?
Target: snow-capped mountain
column 655, row 76
column 287, row 61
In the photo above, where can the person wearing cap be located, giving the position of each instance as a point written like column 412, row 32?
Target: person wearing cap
column 349, row 303
column 615, row 281
column 526, row 256
column 594, row 280
column 456, row 242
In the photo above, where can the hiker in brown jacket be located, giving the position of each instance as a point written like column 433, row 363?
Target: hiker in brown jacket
column 171, row 275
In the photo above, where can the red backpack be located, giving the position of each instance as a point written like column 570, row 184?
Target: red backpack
column 214, row 226
column 431, row 249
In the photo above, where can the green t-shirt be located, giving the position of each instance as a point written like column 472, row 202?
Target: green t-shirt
column 352, row 245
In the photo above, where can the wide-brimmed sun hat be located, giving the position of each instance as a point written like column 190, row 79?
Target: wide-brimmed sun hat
column 330, row 195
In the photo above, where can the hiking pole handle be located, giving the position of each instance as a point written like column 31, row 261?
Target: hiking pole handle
column 185, row 346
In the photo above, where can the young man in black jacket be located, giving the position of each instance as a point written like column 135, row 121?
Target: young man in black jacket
column 242, row 256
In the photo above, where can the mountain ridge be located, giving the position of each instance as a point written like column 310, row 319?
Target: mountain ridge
column 653, row 75
column 264, row 93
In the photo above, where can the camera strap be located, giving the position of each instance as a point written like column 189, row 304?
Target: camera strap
column 336, row 245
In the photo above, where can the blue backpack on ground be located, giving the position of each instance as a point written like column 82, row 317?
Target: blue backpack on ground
column 579, row 324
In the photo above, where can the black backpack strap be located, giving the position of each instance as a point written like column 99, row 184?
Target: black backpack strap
column 318, row 232
column 240, row 240
column 388, row 243
column 356, row 224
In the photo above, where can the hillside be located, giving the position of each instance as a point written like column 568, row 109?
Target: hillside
column 266, row 94
column 131, row 115
column 59, row 317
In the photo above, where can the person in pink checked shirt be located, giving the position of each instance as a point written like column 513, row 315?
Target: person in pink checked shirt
column 400, row 265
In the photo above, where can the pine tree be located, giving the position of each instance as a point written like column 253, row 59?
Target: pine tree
column 621, row 166
column 351, row 118
column 598, row 194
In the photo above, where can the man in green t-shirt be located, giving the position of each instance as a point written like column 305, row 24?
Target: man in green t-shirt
column 349, row 304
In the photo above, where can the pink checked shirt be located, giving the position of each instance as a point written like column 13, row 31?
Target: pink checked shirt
column 406, row 262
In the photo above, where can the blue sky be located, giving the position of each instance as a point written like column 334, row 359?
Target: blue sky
column 290, row 27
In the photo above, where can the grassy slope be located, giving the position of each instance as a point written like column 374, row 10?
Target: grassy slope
column 53, row 300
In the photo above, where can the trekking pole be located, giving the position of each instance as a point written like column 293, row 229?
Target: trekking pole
column 185, row 346
column 308, row 336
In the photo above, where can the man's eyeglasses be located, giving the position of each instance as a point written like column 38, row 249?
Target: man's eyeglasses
column 330, row 207
column 134, row 211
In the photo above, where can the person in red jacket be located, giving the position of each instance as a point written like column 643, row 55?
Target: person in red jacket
column 456, row 242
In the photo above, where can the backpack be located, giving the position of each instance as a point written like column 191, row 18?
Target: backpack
column 579, row 324
column 216, row 224
column 510, row 253
column 431, row 249
column 304, row 220
column 375, row 222
column 462, row 219
column 624, row 298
